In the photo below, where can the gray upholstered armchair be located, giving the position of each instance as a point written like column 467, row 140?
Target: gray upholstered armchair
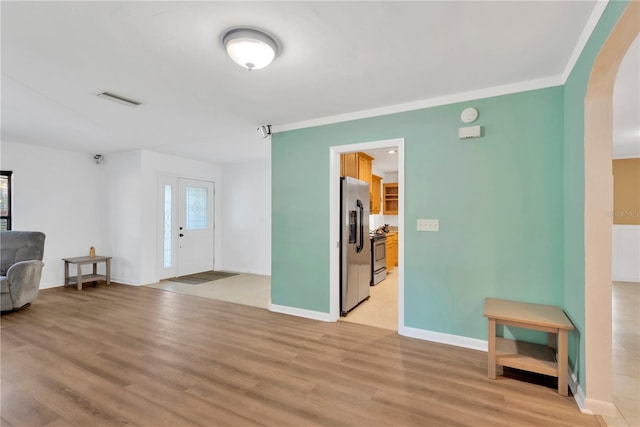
column 21, row 267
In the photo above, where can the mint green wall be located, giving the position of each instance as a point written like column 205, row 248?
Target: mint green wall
column 499, row 199
column 574, row 93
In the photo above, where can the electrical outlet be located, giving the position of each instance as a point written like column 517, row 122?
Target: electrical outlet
column 428, row 225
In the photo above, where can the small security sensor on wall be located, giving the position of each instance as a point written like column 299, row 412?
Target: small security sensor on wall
column 470, row 132
column 98, row 158
column 264, row 130
column 470, row 115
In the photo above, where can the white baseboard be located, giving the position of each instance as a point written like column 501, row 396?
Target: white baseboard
column 578, row 393
column 50, row 285
column 600, row 407
column 442, row 338
column 586, row 405
column 242, row 271
column 632, row 279
column 300, row 312
column 129, row 282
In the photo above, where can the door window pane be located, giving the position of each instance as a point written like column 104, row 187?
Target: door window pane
column 167, row 226
column 197, row 204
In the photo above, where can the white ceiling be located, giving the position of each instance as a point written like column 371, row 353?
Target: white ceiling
column 336, row 58
column 383, row 161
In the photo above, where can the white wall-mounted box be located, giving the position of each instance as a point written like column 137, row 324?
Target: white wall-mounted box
column 470, row 132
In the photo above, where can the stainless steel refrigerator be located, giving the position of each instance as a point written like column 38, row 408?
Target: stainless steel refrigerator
column 355, row 247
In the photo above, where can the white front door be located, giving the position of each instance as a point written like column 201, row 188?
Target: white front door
column 195, row 226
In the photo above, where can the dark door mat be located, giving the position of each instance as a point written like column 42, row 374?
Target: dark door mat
column 198, row 278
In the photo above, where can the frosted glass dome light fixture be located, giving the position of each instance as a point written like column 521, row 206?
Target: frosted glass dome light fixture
column 250, row 48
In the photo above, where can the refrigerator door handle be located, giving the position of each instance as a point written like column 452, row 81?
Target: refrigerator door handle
column 360, row 225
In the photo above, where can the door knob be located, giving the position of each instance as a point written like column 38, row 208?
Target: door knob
column 181, row 235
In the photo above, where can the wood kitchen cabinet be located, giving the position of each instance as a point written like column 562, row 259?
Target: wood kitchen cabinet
column 376, row 196
column 392, row 251
column 390, row 198
column 357, row 165
column 365, row 168
column 395, row 251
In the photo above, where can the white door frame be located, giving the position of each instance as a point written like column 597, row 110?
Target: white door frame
column 334, row 221
column 173, row 179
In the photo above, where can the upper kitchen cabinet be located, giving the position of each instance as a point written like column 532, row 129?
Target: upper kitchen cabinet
column 357, row 165
column 390, row 198
column 376, row 196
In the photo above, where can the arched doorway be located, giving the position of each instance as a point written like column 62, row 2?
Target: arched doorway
column 598, row 204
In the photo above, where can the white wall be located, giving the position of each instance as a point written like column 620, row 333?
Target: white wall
column 59, row 193
column 114, row 207
column 246, row 212
column 625, row 251
column 152, row 165
column 122, row 198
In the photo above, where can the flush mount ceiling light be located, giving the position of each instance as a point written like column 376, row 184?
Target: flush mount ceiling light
column 250, row 48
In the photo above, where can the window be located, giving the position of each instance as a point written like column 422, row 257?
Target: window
column 196, row 208
column 168, row 221
column 5, row 200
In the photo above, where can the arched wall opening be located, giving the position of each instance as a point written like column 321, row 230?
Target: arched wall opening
column 598, row 205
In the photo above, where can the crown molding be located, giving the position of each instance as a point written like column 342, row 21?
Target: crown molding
column 425, row 103
column 596, row 13
column 557, row 80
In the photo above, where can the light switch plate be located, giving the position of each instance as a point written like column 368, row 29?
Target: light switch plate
column 428, row 225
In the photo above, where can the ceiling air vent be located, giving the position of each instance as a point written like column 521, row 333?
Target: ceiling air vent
column 119, row 99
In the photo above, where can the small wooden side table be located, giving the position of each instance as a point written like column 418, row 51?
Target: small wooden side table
column 82, row 260
column 551, row 359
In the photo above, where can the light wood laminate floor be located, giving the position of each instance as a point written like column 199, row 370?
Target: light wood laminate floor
column 141, row 356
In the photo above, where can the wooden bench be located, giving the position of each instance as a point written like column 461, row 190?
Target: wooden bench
column 80, row 278
column 527, row 356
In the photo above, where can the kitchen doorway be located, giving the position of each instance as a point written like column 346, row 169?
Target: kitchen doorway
column 334, row 250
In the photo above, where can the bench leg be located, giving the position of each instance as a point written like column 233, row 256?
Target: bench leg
column 66, row 274
column 563, row 362
column 79, row 270
column 491, row 362
column 95, row 271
